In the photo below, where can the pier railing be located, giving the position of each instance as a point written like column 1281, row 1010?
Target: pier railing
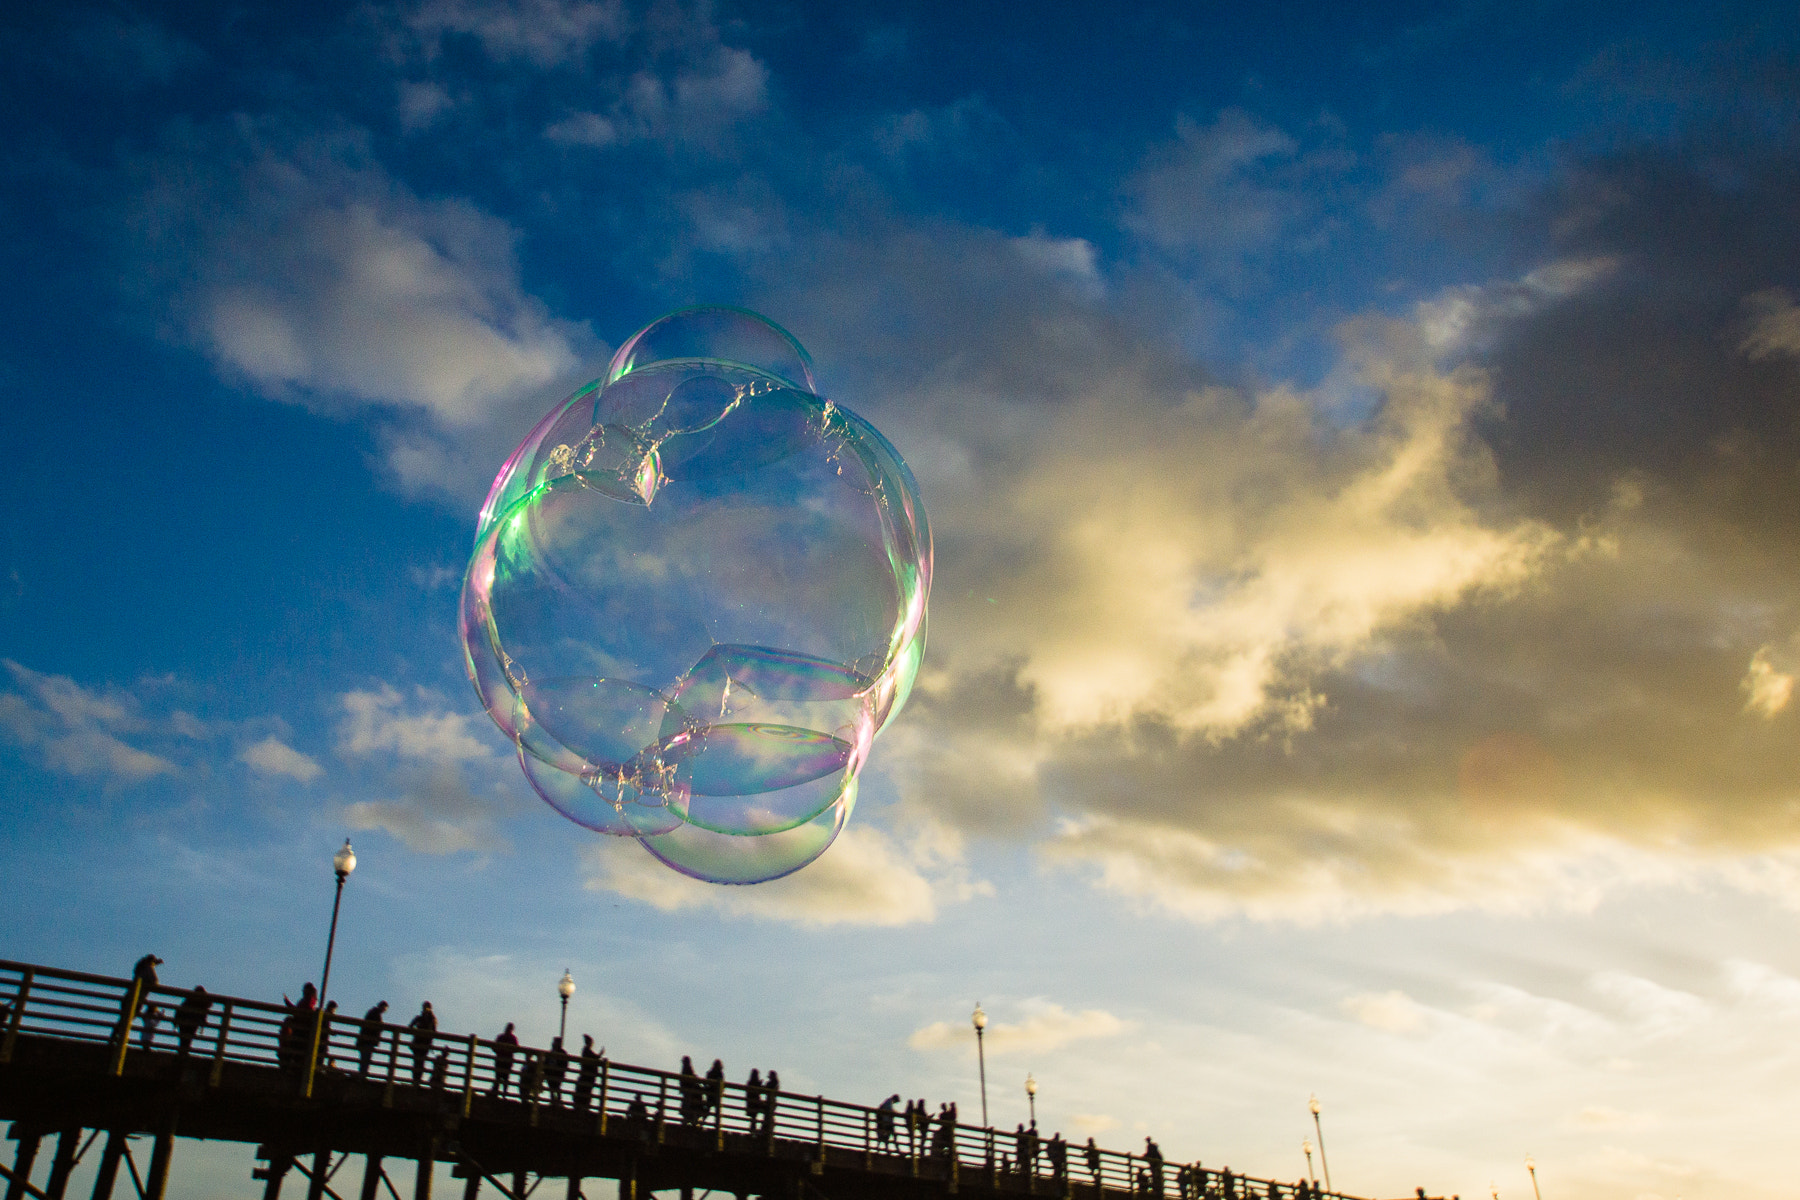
column 211, row 1033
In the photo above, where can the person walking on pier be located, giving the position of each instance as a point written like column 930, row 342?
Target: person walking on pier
column 152, row 1018
column 691, row 1103
column 771, row 1098
column 505, row 1046
column 143, row 974
column 1057, row 1151
column 946, row 1133
column 1091, row 1153
column 556, row 1066
column 369, row 1036
column 590, row 1070
column 715, row 1089
column 752, row 1098
column 424, row 1027
column 1154, row 1160
column 884, row 1120
column 190, row 1017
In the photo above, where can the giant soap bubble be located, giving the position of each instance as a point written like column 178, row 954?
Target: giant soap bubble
column 698, row 593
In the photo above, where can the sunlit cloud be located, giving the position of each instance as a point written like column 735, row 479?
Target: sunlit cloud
column 868, row 877
column 1044, row 1027
column 272, row 756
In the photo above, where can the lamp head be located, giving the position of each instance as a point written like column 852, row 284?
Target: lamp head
column 1030, row 1085
column 979, row 1017
column 566, row 987
column 1306, row 1146
column 344, row 861
column 1312, row 1102
column 1531, row 1164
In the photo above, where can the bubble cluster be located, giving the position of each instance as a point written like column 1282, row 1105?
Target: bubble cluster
column 698, row 593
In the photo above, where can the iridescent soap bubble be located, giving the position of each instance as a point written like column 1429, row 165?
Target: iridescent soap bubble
column 698, row 593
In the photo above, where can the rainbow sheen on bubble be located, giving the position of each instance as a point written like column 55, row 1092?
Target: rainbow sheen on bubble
column 698, row 593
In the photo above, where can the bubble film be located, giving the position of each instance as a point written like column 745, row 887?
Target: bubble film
column 698, row 593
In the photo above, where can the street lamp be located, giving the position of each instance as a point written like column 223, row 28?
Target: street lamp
column 980, row 1020
column 1031, row 1095
column 342, row 863
column 1312, row 1102
column 565, row 988
column 1306, row 1148
column 1531, row 1165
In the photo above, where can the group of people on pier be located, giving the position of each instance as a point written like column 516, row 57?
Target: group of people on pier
column 544, row 1076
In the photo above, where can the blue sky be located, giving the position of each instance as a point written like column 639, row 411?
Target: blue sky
column 1361, row 447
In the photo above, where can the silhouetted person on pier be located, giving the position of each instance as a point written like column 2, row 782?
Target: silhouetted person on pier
column 325, row 1020
column 424, row 1027
column 884, row 1119
column 190, row 1015
column 440, row 1068
column 946, row 1134
column 918, row 1117
column 715, row 1087
column 369, row 1036
column 1227, row 1184
column 1091, row 1152
column 556, row 1066
column 771, row 1098
column 144, row 974
column 505, row 1046
column 1058, row 1152
column 752, row 1098
column 637, row 1117
column 1019, row 1153
column 144, row 970
column 691, row 1103
column 590, row 1071
column 1154, row 1159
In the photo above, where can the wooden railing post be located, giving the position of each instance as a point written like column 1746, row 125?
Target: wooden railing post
column 16, row 1015
column 220, row 1039
column 469, row 1077
column 605, row 1080
column 387, row 1088
column 320, row 1021
column 133, row 998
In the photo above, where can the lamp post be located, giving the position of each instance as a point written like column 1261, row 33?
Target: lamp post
column 1531, row 1165
column 980, row 1020
column 342, row 863
column 565, row 988
column 1306, row 1148
column 1031, row 1095
column 1312, row 1102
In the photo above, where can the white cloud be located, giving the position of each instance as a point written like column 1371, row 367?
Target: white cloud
column 1390, row 1012
column 545, row 32
column 1045, row 1027
column 697, row 103
column 378, row 720
column 1767, row 690
column 866, row 878
column 1651, row 1009
column 77, row 729
column 393, row 303
column 1775, row 325
column 1225, row 189
column 272, row 756
column 437, row 814
column 421, row 103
